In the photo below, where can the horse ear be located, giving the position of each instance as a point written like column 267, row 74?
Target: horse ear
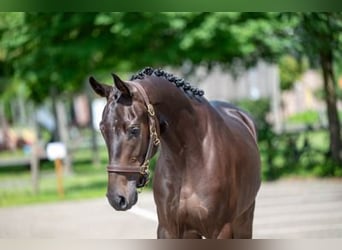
column 121, row 85
column 101, row 89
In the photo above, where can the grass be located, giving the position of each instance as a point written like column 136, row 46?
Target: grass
column 12, row 154
column 307, row 117
column 86, row 181
column 90, row 181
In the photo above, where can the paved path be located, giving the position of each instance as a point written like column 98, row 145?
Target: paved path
column 284, row 209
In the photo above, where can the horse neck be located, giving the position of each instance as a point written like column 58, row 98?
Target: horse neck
column 185, row 121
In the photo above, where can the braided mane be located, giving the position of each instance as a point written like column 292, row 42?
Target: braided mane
column 179, row 82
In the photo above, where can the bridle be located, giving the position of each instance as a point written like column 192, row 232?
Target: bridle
column 154, row 141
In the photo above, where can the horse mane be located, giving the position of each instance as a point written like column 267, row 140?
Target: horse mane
column 179, row 82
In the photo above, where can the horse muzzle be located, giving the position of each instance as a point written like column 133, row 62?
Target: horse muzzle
column 122, row 202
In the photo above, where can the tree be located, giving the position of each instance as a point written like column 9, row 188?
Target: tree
column 320, row 38
column 59, row 50
column 52, row 52
column 241, row 39
column 290, row 70
column 55, row 52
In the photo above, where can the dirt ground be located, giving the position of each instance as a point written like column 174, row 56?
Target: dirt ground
column 288, row 209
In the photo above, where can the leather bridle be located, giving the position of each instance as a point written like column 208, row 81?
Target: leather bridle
column 154, row 141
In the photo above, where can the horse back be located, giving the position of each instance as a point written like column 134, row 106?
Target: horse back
column 228, row 110
column 240, row 144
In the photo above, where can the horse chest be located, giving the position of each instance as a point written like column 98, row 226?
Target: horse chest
column 191, row 208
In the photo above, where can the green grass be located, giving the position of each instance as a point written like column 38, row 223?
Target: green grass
column 86, row 181
column 89, row 181
column 307, row 117
column 9, row 154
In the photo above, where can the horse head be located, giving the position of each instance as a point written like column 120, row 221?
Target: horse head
column 129, row 129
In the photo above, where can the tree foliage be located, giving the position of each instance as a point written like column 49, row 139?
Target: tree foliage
column 321, row 38
column 290, row 69
column 57, row 51
column 50, row 51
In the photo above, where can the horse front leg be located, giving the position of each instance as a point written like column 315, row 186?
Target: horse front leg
column 191, row 235
column 243, row 225
column 226, row 232
column 164, row 233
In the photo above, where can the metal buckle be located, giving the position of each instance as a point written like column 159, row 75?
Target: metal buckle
column 154, row 136
column 156, row 141
column 150, row 110
column 144, row 168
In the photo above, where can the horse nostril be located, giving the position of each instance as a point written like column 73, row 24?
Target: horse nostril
column 122, row 202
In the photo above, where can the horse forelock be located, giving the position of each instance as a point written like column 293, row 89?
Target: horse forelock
column 178, row 81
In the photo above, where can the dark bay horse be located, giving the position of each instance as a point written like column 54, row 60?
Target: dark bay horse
column 208, row 170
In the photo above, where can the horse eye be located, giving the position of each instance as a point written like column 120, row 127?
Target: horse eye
column 133, row 131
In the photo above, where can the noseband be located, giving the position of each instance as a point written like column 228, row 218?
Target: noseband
column 154, row 141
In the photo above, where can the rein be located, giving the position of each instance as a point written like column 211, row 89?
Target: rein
column 153, row 142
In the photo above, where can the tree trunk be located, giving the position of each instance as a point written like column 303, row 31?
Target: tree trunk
column 326, row 60
column 94, row 144
column 64, row 134
column 61, row 128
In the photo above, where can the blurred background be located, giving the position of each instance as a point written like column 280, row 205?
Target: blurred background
column 283, row 68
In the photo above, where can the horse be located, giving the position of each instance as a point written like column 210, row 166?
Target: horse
column 207, row 174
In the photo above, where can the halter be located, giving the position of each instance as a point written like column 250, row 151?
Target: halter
column 153, row 142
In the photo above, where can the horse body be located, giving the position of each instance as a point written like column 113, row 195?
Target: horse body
column 208, row 171
column 200, row 178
